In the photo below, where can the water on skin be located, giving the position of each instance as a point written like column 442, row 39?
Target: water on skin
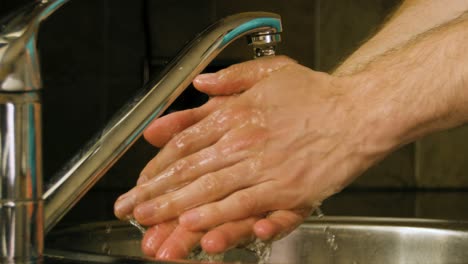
column 260, row 248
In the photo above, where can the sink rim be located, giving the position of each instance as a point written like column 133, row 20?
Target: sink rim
column 457, row 225
column 326, row 221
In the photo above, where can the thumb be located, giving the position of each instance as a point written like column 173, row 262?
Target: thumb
column 239, row 77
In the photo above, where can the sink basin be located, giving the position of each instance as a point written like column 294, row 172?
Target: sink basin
column 318, row 240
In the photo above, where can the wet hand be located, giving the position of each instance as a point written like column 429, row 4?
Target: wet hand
column 293, row 138
column 171, row 241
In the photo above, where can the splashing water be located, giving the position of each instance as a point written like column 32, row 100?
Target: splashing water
column 319, row 212
column 134, row 223
column 198, row 254
column 260, row 248
column 108, row 229
column 330, row 238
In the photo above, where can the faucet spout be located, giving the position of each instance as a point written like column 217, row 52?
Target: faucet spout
column 69, row 185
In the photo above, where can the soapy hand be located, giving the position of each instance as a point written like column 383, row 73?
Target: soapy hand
column 171, row 241
column 290, row 140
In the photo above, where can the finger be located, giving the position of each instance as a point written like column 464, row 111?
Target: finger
column 229, row 235
column 228, row 151
column 199, row 136
column 171, row 179
column 155, row 237
column 255, row 200
column 239, row 77
column 279, row 223
column 208, row 188
column 161, row 130
column 179, row 244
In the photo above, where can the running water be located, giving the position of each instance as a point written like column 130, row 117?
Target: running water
column 134, row 223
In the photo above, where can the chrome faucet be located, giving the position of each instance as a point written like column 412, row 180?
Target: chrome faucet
column 26, row 212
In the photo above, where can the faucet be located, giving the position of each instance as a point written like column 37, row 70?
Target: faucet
column 26, row 212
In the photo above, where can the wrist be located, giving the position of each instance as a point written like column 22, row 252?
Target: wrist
column 387, row 115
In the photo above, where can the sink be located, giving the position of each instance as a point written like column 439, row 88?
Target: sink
column 318, row 240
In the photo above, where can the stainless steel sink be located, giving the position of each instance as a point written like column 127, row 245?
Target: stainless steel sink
column 319, row 240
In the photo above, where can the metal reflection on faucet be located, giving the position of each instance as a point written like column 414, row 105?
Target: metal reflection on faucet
column 23, row 221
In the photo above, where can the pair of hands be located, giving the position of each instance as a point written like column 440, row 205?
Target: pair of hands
column 254, row 161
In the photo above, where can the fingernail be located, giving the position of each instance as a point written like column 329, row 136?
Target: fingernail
column 189, row 219
column 206, row 78
column 124, row 204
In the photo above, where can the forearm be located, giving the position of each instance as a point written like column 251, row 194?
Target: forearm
column 421, row 87
column 412, row 18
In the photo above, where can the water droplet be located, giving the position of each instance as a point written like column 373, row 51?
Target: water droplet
column 261, row 249
column 198, row 254
column 106, row 249
column 319, row 212
column 134, row 223
column 108, row 229
column 330, row 239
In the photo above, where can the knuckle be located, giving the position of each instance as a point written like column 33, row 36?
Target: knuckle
column 181, row 140
column 247, row 202
column 210, row 183
column 144, row 193
column 183, row 165
column 234, row 112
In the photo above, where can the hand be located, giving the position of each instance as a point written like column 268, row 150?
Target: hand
column 293, row 138
column 171, row 241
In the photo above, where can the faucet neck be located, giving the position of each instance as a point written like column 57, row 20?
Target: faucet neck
column 21, row 205
column 21, row 200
